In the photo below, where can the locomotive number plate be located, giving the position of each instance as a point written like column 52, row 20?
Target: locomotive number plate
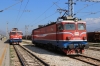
column 76, row 33
column 76, row 38
column 15, row 38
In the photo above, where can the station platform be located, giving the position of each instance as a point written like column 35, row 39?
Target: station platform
column 4, row 53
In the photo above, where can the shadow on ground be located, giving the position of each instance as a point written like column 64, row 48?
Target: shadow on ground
column 6, row 41
column 40, row 50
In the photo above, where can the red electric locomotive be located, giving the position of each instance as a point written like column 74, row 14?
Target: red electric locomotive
column 15, row 36
column 68, row 35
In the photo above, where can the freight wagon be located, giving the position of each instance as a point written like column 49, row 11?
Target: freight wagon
column 27, row 37
column 93, row 36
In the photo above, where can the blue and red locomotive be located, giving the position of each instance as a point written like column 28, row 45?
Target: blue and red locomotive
column 68, row 35
column 15, row 36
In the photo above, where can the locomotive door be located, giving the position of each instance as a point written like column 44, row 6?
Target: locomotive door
column 58, row 32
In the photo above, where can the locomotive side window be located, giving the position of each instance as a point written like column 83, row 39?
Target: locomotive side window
column 19, row 33
column 81, row 26
column 60, row 27
column 70, row 26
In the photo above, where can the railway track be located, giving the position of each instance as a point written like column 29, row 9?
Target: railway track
column 96, row 49
column 27, row 58
column 86, row 59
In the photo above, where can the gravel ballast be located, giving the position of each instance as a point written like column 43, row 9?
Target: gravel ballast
column 55, row 59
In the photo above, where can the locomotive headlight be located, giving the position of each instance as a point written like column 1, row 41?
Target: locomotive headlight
column 84, row 38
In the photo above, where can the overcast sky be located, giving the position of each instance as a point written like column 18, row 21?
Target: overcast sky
column 36, row 12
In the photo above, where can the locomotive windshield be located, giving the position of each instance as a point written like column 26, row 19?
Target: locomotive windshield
column 81, row 26
column 70, row 26
column 13, row 33
column 19, row 33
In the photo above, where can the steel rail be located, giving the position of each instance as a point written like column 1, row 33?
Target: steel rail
column 22, row 59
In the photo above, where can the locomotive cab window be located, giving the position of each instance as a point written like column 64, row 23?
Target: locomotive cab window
column 60, row 27
column 19, row 33
column 81, row 26
column 69, row 26
column 13, row 33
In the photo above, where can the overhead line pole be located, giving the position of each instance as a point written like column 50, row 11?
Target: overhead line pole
column 70, row 7
column 26, row 32
column 7, row 30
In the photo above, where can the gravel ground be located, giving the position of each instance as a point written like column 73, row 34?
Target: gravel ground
column 61, row 60
column 14, row 61
column 95, row 47
column 55, row 59
column 92, row 53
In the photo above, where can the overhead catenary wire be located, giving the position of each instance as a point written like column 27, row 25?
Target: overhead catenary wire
column 53, row 4
column 18, row 14
column 44, row 12
column 70, row 5
column 10, row 6
column 59, row 7
column 22, row 13
column 13, row 5
column 89, row 0
column 56, row 5
column 91, row 13
column 45, row 18
column 84, row 8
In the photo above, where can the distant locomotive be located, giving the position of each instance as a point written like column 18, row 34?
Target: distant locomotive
column 93, row 36
column 15, row 36
column 67, row 35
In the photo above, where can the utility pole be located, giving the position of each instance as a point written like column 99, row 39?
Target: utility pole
column 70, row 7
column 27, row 27
column 26, row 31
column 7, row 30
